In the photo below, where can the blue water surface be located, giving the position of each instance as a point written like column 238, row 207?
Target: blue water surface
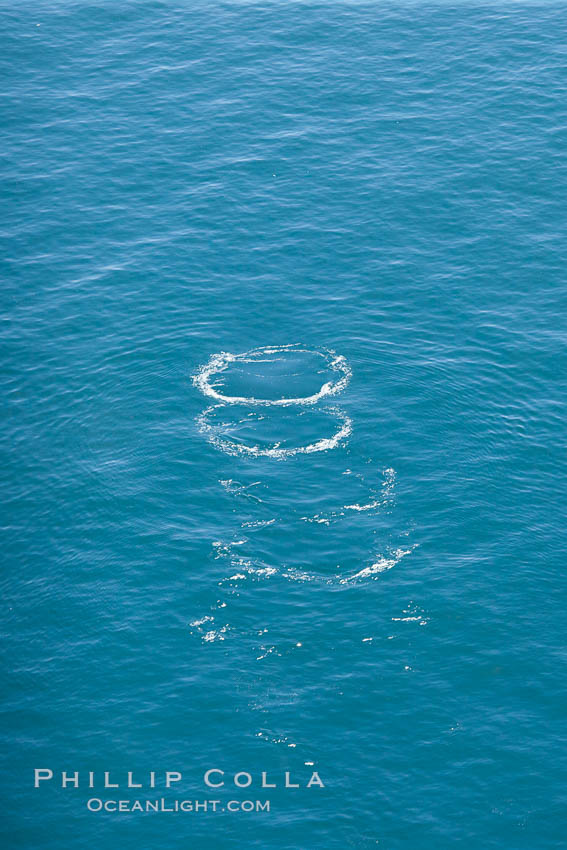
column 369, row 584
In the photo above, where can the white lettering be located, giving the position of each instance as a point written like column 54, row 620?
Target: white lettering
column 171, row 776
column 289, row 784
column 74, row 779
column 41, row 774
column 214, row 784
column 131, row 783
column 315, row 780
column 265, row 783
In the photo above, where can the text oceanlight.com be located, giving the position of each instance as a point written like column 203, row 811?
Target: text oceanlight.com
column 95, row 804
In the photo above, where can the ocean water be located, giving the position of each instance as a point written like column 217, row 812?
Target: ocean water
column 284, row 421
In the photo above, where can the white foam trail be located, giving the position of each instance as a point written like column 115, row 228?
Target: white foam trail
column 369, row 507
column 220, row 362
column 232, row 448
column 258, row 523
column 380, row 566
column 387, row 487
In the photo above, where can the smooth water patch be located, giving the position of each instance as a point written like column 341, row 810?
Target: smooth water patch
column 238, row 430
column 329, row 493
column 279, row 375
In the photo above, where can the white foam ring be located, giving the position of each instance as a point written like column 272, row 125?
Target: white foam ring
column 220, row 362
column 233, row 448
